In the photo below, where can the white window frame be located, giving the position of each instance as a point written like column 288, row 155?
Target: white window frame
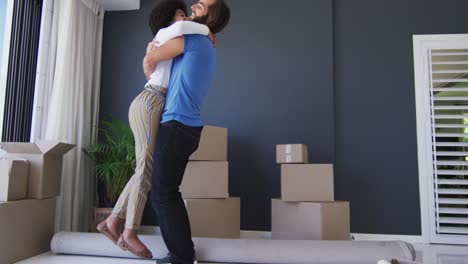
column 5, row 59
column 422, row 44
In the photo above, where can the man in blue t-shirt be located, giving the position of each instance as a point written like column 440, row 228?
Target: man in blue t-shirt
column 194, row 62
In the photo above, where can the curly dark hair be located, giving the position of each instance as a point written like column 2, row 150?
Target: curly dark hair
column 163, row 14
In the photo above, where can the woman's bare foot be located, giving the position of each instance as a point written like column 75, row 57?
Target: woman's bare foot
column 130, row 241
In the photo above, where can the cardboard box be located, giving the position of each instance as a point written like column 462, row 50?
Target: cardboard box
column 292, row 153
column 216, row 218
column 205, row 179
column 26, row 228
column 310, row 221
column 213, row 145
column 13, row 180
column 45, row 165
column 307, row 182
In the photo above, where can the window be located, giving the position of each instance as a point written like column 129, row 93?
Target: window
column 23, row 26
column 3, row 6
column 441, row 72
column 6, row 11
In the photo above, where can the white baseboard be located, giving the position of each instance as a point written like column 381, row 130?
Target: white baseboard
column 149, row 230
column 250, row 234
column 383, row 237
column 246, row 234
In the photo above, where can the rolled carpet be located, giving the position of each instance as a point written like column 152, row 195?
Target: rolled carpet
column 245, row 250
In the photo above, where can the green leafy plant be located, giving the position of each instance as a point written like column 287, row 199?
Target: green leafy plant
column 114, row 155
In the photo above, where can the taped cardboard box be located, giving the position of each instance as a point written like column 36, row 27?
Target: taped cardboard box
column 205, row 179
column 215, row 218
column 310, row 221
column 213, row 144
column 26, row 228
column 292, row 153
column 307, row 182
column 13, row 180
column 45, row 165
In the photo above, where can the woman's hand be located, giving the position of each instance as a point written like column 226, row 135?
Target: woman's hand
column 151, row 46
column 212, row 38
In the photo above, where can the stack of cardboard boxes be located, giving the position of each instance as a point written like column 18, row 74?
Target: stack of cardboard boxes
column 307, row 209
column 212, row 212
column 30, row 179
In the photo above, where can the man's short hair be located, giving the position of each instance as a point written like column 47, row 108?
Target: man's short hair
column 217, row 18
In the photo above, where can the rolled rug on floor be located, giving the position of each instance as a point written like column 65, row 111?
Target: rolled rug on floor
column 245, row 250
column 395, row 261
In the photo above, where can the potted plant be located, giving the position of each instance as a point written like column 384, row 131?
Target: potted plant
column 114, row 157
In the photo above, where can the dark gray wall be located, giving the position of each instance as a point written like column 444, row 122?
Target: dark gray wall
column 336, row 75
column 273, row 85
column 376, row 147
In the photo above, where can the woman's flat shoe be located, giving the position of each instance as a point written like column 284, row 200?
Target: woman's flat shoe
column 104, row 229
column 145, row 253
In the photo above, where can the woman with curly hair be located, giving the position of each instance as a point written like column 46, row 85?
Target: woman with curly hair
column 166, row 22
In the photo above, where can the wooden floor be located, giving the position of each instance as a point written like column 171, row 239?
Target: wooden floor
column 427, row 254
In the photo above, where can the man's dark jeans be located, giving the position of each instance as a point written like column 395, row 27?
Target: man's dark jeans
column 175, row 143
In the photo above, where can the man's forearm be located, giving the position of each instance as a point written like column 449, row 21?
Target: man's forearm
column 168, row 51
column 148, row 67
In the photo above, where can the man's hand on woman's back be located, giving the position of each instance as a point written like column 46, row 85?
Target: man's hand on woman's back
column 212, row 38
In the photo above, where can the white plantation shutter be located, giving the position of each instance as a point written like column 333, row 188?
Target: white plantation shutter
column 449, row 110
column 441, row 73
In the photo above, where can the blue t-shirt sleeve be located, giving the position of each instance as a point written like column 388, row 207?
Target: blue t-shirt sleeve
column 191, row 42
column 191, row 77
column 187, row 43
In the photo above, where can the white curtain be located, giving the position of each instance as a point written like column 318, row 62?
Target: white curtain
column 67, row 98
